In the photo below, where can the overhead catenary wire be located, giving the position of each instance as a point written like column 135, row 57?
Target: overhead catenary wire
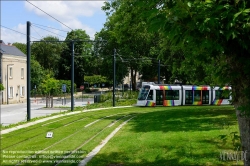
column 49, row 27
column 18, row 32
column 36, row 32
column 49, row 15
column 49, row 31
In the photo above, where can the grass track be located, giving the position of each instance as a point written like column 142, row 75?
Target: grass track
column 41, row 130
column 156, row 136
column 173, row 136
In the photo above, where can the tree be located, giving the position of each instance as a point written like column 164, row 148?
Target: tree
column 49, row 87
column 216, row 32
column 48, row 53
column 132, row 41
column 37, row 73
column 82, row 59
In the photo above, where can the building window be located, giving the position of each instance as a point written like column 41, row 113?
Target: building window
column 11, row 72
column 11, row 90
column 22, row 72
column 22, row 91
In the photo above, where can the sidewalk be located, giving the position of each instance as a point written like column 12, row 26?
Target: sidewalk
column 15, row 113
column 53, row 117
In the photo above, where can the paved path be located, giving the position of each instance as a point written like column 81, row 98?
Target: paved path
column 14, row 113
column 5, row 131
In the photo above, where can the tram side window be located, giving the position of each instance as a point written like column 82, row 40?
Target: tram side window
column 176, row 94
column 189, row 97
column 169, row 95
column 197, row 95
column 150, row 95
column 219, row 94
column 172, row 95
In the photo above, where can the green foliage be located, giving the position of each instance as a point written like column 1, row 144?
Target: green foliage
column 87, row 90
column 109, row 103
column 48, row 53
column 83, row 58
column 213, row 36
column 127, row 32
column 50, row 85
column 1, row 87
column 95, row 79
column 119, row 96
column 37, row 73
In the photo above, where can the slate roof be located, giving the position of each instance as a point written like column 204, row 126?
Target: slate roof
column 10, row 50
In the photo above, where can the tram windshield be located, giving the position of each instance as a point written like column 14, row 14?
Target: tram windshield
column 144, row 92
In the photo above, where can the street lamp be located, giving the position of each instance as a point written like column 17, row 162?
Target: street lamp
column 8, row 82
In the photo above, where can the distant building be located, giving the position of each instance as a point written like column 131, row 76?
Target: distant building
column 12, row 74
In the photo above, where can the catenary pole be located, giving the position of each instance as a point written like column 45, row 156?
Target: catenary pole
column 72, row 76
column 114, row 78
column 28, row 70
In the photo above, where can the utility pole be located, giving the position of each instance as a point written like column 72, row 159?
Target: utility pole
column 28, row 71
column 114, row 78
column 72, row 76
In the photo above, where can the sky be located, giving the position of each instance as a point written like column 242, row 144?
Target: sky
column 86, row 15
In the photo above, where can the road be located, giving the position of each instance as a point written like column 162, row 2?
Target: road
column 14, row 113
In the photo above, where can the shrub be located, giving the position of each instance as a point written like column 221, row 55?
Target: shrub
column 1, row 87
column 87, row 90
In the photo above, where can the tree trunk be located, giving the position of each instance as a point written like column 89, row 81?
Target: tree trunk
column 244, row 127
column 51, row 101
column 133, row 79
column 47, row 101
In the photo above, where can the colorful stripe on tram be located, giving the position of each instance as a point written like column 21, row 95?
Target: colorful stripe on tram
column 197, row 103
column 224, row 88
column 200, row 88
column 150, row 104
column 165, row 87
column 217, row 102
column 168, row 103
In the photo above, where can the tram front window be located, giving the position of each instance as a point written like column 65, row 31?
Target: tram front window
column 144, row 92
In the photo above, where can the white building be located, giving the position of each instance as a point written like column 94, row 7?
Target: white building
column 12, row 74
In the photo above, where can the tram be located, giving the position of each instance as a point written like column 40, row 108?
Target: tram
column 176, row 95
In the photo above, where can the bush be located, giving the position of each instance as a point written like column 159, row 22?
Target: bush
column 1, row 87
column 119, row 95
column 87, row 90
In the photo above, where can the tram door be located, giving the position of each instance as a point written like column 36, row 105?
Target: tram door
column 159, row 97
column 205, row 97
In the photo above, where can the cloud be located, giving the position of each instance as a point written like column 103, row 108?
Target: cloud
column 9, row 36
column 68, row 12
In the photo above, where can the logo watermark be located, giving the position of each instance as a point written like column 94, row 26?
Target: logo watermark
column 233, row 156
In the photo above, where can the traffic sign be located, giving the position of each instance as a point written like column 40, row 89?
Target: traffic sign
column 82, row 87
column 63, row 87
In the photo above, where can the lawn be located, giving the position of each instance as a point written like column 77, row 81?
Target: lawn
column 194, row 135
